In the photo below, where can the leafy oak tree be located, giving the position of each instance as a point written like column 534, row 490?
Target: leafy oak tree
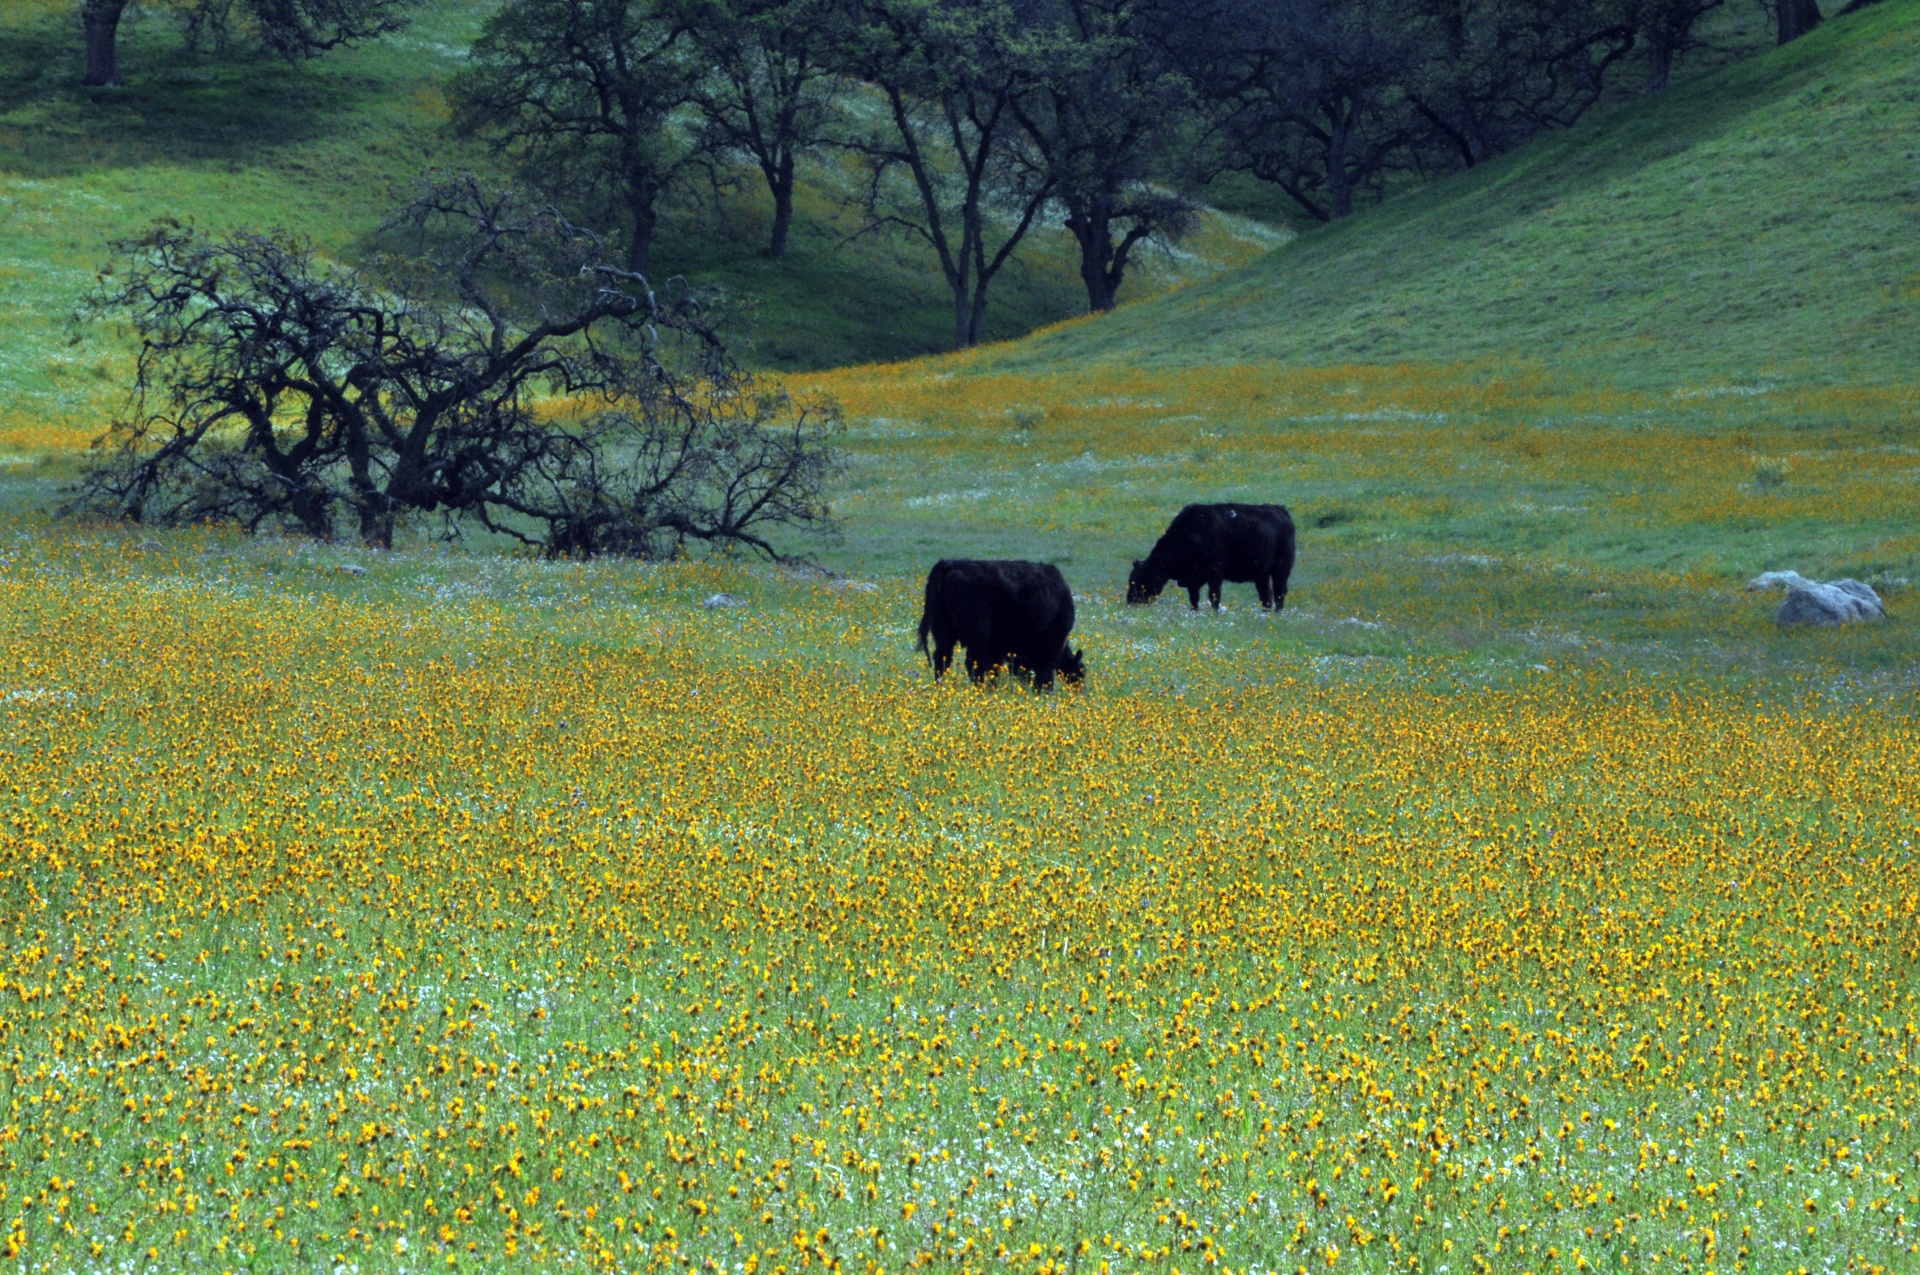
column 947, row 161
column 1307, row 94
column 1106, row 109
column 768, row 91
column 583, row 94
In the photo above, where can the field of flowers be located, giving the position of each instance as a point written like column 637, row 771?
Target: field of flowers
column 471, row 912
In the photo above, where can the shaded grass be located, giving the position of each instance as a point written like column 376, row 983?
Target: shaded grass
column 324, row 149
column 1761, row 221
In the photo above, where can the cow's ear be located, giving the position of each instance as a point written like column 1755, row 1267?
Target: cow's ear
column 1136, row 564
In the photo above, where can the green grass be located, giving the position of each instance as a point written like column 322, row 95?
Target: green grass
column 495, row 912
column 324, row 149
column 1520, row 898
column 1759, row 221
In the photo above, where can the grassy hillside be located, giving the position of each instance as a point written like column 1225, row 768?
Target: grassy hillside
column 325, row 148
column 1586, row 391
column 1760, row 221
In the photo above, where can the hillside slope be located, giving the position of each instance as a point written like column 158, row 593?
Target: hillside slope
column 324, row 149
column 1762, row 221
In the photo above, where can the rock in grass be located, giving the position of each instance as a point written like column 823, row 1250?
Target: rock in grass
column 1838, row 602
column 350, row 568
column 1821, row 603
column 721, row 600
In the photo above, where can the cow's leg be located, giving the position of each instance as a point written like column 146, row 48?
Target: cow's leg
column 1043, row 676
column 1213, row 593
column 977, row 666
column 1193, row 596
column 1264, row 585
column 942, row 658
column 1282, row 572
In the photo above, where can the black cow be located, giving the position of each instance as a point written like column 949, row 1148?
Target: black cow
column 1208, row 544
column 1012, row 613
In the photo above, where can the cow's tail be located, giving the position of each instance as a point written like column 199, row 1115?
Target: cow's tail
column 926, row 608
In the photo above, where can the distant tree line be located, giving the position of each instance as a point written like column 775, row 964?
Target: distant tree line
column 969, row 122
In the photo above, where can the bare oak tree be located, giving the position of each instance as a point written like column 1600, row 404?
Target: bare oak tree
column 506, row 374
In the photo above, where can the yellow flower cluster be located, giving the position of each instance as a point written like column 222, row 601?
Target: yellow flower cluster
column 478, row 913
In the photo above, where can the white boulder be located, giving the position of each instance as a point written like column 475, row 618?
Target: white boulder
column 1821, row 603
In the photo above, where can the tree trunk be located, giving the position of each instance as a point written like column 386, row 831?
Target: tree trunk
column 1103, row 291
column 1797, row 17
column 780, row 182
column 640, row 200
column 962, row 318
column 640, row 241
column 1093, row 229
column 977, row 321
column 1659, row 61
column 1339, row 187
column 313, row 512
column 1339, row 180
column 376, row 527
column 100, row 21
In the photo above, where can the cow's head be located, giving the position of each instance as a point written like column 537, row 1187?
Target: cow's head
column 1144, row 582
column 1073, row 668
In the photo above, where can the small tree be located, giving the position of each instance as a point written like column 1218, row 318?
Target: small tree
column 1306, row 94
column 768, row 91
column 950, row 165
column 292, row 29
column 275, row 389
column 583, row 93
column 1795, row 17
column 1105, row 111
column 1668, row 28
column 1493, row 74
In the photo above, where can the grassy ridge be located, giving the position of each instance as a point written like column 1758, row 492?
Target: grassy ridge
column 1760, row 221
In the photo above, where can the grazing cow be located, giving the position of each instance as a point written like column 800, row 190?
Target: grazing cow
column 1012, row 613
column 1209, row 544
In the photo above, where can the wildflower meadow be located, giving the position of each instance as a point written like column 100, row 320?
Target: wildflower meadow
column 444, row 909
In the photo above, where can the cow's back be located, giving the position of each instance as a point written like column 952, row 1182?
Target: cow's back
column 1190, row 542
column 1257, row 535
column 1000, row 609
